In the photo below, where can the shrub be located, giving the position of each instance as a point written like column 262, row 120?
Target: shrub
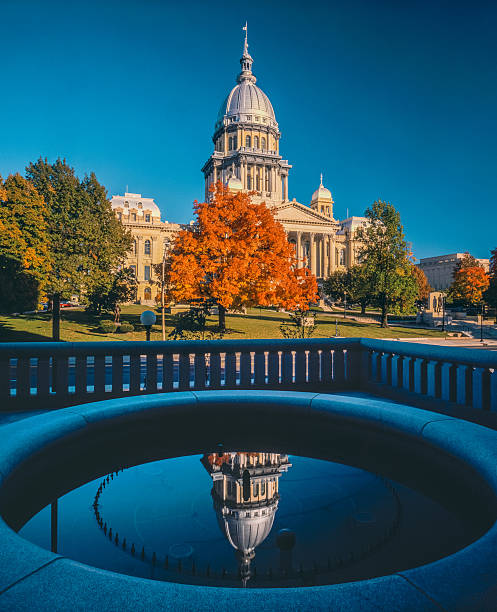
column 107, row 327
column 125, row 327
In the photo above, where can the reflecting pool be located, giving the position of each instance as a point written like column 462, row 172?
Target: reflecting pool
column 247, row 519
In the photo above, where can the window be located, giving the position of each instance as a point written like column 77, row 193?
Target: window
column 147, row 218
column 234, row 142
column 256, row 142
column 126, row 205
column 263, row 143
column 263, row 489
column 230, row 144
column 147, row 249
column 256, row 490
column 248, row 141
column 119, row 216
column 147, row 294
column 342, row 257
column 133, row 217
column 249, row 181
column 140, row 205
column 146, row 273
column 134, row 247
column 133, row 268
column 257, row 180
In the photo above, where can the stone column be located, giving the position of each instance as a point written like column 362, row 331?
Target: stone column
column 285, row 187
column 313, row 253
column 299, row 247
column 215, row 174
column 326, row 271
column 333, row 263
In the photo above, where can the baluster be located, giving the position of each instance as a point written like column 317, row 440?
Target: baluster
column 431, row 378
column 493, row 390
column 260, row 368
column 326, row 366
column 406, row 373
column 384, row 359
column 5, row 377
column 135, row 373
column 61, row 376
column 167, row 372
column 230, row 370
column 199, row 371
column 273, row 368
column 43, row 377
column 22, row 377
column 151, row 376
column 300, row 367
column 418, row 375
column 445, row 381
column 215, row 371
column 374, row 366
column 287, row 367
column 313, row 359
column 478, row 376
column 184, row 371
column 462, row 384
column 245, row 370
column 338, row 366
column 117, row 374
column 395, row 367
column 99, row 366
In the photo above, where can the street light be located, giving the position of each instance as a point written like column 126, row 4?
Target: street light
column 481, row 321
column 443, row 312
column 344, row 304
column 147, row 319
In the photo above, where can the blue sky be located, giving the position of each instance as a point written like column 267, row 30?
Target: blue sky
column 391, row 100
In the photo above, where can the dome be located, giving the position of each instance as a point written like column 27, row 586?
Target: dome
column 136, row 203
column 322, row 193
column 244, row 528
column 234, row 184
column 245, row 102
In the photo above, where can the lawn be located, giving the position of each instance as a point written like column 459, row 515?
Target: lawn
column 77, row 326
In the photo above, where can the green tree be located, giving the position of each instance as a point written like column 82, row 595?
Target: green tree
column 302, row 324
column 386, row 260
column 114, row 288
column 86, row 241
column 24, row 259
column 354, row 282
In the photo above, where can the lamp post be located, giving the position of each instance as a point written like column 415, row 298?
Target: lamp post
column 443, row 312
column 147, row 319
column 481, row 321
column 166, row 247
column 344, row 304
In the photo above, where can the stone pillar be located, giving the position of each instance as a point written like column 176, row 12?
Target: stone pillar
column 285, row 187
column 313, row 253
column 215, row 174
column 333, row 264
column 299, row 247
column 326, row 259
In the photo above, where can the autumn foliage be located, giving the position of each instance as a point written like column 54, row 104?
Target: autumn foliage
column 469, row 285
column 235, row 255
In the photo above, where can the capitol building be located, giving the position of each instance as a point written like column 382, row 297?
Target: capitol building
column 246, row 158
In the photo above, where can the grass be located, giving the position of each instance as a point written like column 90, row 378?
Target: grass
column 77, row 326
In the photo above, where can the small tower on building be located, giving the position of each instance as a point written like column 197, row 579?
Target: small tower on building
column 322, row 201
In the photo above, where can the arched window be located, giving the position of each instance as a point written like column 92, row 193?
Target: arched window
column 263, row 143
column 126, row 204
column 133, row 216
column 248, row 141
column 140, row 205
column 256, row 490
column 147, row 248
column 230, row 144
column 256, row 142
column 147, row 294
column 263, row 488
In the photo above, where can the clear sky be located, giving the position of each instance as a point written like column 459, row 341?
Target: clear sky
column 391, row 100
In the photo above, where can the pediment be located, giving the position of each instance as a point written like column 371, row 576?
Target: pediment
column 298, row 213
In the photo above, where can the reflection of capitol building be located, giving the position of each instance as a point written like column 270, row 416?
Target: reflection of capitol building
column 246, row 157
column 245, row 495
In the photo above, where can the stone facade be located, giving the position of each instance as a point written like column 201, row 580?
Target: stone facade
column 247, row 158
column 439, row 270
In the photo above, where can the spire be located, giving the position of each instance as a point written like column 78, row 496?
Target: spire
column 321, row 184
column 246, row 61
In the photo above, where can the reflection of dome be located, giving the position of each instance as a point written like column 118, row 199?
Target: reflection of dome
column 244, row 528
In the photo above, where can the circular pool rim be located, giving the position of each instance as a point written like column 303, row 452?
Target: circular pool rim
column 32, row 576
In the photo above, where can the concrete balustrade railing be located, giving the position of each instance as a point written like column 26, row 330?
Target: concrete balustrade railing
column 33, row 373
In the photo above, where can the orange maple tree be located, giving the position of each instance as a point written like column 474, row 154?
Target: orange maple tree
column 236, row 254
column 469, row 284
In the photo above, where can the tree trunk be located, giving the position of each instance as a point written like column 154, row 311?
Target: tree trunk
column 363, row 307
column 56, row 317
column 384, row 315
column 222, row 317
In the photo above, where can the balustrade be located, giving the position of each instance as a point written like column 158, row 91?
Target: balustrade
column 37, row 374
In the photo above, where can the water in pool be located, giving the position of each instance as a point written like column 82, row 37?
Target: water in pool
column 247, row 519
